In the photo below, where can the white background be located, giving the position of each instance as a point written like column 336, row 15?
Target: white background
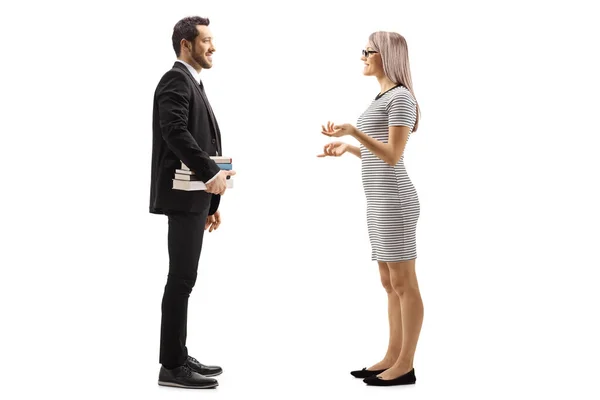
column 287, row 300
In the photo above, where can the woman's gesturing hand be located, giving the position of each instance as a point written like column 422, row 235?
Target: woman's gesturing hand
column 334, row 149
column 333, row 130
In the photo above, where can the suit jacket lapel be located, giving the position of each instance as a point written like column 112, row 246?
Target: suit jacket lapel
column 213, row 120
column 211, row 115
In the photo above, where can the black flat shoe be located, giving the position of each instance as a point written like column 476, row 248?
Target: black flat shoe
column 407, row 379
column 365, row 373
column 206, row 370
column 184, row 377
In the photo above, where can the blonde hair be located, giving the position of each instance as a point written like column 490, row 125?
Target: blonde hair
column 394, row 57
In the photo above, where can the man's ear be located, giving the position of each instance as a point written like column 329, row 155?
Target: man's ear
column 186, row 44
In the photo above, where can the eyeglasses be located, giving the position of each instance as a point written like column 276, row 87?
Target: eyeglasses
column 367, row 53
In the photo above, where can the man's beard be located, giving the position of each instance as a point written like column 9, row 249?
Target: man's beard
column 200, row 59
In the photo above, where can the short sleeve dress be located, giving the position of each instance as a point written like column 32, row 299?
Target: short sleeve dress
column 392, row 202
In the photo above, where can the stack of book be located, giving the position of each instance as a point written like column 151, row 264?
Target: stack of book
column 185, row 179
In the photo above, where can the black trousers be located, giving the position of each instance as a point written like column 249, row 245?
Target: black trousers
column 186, row 231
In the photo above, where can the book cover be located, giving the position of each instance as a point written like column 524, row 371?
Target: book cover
column 226, row 167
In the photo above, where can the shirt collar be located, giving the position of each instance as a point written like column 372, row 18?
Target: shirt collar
column 194, row 73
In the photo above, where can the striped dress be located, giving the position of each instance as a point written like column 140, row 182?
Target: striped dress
column 392, row 202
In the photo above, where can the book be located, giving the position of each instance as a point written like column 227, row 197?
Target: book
column 194, row 185
column 217, row 159
column 224, row 167
column 186, row 177
column 189, row 177
column 221, row 159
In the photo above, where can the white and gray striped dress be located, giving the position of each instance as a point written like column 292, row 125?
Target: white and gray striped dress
column 392, row 202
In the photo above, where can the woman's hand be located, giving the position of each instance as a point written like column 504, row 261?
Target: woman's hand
column 334, row 149
column 333, row 130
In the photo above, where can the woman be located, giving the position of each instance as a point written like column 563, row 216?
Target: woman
column 392, row 202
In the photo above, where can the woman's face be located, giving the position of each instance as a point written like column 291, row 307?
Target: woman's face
column 372, row 60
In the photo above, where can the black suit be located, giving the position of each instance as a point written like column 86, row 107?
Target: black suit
column 184, row 129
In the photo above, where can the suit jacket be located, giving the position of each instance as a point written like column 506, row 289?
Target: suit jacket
column 183, row 129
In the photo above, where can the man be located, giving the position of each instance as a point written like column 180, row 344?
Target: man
column 184, row 129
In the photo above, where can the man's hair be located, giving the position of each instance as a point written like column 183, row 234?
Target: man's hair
column 186, row 29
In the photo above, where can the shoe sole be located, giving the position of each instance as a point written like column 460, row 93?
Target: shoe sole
column 396, row 384
column 178, row 385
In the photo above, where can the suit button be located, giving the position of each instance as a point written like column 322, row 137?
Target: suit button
column 214, row 141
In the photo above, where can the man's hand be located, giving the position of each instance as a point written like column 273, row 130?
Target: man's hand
column 213, row 221
column 219, row 184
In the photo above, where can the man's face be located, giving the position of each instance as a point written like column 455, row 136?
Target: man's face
column 202, row 48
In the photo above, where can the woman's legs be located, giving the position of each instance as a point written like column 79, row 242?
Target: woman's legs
column 395, row 321
column 403, row 280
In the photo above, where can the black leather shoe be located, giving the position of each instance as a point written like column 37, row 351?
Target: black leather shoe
column 206, row 370
column 365, row 373
column 407, row 379
column 184, row 377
